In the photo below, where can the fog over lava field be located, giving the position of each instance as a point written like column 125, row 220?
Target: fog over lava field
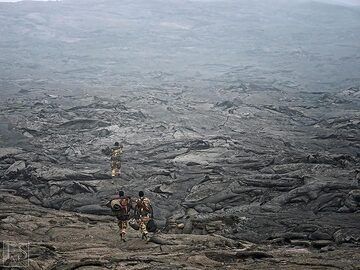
column 240, row 120
column 299, row 45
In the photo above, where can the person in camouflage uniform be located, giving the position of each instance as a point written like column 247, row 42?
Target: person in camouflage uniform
column 143, row 214
column 116, row 153
column 121, row 207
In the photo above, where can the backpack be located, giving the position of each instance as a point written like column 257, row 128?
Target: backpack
column 151, row 226
column 120, row 207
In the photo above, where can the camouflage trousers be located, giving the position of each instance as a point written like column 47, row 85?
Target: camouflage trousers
column 142, row 224
column 115, row 168
column 123, row 226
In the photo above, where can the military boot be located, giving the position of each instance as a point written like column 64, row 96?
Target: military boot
column 146, row 237
column 122, row 236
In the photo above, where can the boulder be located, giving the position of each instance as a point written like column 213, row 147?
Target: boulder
column 16, row 168
column 93, row 209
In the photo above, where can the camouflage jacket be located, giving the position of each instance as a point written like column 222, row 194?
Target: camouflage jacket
column 116, row 153
column 143, row 207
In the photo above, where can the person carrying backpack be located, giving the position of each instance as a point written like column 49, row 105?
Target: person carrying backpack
column 143, row 214
column 120, row 208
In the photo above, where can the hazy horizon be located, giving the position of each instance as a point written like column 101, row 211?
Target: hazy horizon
column 342, row 2
column 299, row 45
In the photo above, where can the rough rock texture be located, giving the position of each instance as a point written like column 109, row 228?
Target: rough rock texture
column 240, row 120
column 275, row 166
column 64, row 240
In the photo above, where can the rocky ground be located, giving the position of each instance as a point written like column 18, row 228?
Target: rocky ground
column 240, row 120
column 63, row 240
column 230, row 169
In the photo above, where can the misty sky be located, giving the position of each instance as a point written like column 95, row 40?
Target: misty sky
column 343, row 2
column 295, row 44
